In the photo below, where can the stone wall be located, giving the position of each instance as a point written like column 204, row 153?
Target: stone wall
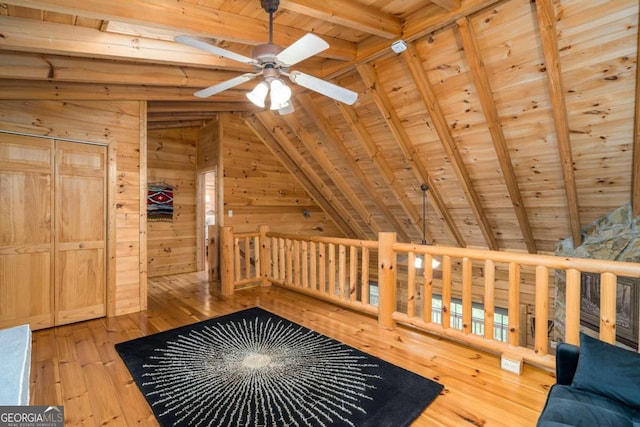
column 615, row 236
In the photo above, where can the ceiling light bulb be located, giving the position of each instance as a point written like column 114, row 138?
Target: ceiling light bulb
column 280, row 94
column 435, row 263
column 286, row 108
column 259, row 94
column 418, row 262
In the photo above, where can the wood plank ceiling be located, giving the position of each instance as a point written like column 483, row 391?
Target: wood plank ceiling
column 519, row 115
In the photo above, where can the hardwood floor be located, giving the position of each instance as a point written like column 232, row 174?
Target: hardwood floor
column 77, row 366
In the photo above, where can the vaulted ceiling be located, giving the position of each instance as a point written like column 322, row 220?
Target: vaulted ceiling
column 520, row 116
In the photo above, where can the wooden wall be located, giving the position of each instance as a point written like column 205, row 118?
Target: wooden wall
column 259, row 190
column 171, row 159
column 119, row 125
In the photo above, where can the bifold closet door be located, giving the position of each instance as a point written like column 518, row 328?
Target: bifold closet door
column 80, row 241
column 26, row 231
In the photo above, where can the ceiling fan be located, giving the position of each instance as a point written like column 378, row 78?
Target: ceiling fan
column 272, row 61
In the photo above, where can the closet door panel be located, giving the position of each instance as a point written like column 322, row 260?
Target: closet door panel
column 26, row 235
column 80, row 232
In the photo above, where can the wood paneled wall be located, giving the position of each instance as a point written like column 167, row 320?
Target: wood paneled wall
column 259, row 190
column 171, row 159
column 119, row 125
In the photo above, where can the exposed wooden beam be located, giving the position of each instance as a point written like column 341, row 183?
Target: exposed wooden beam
column 546, row 23
column 432, row 106
column 176, row 124
column 635, row 172
column 369, row 77
column 271, row 134
column 25, row 35
column 173, row 117
column 21, row 65
column 447, row 4
column 189, row 18
column 191, row 107
column 377, row 157
column 309, row 142
column 350, row 14
column 485, row 95
column 333, row 141
column 29, row 89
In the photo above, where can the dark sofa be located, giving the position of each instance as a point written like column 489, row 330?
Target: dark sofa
column 597, row 385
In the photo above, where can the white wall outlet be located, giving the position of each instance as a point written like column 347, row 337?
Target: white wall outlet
column 230, row 213
column 511, row 363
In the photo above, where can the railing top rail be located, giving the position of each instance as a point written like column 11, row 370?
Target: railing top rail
column 630, row 269
column 370, row 244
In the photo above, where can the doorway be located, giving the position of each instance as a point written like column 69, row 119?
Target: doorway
column 211, row 226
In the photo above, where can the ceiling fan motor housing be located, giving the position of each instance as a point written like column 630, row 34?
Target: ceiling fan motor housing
column 266, row 53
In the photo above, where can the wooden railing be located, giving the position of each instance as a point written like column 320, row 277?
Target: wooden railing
column 342, row 271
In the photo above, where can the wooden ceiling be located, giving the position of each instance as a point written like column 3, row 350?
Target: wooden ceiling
column 519, row 115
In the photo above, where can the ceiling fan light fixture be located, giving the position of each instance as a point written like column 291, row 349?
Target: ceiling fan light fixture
column 258, row 95
column 272, row 61
column 280, row 94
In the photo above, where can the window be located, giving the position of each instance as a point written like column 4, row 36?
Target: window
column 500, row 315
column 373, row 293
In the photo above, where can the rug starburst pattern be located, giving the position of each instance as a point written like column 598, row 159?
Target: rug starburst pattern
column 257, row 372
column 254, row 368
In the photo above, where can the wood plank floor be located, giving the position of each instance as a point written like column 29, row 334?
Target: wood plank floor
column 78, row 367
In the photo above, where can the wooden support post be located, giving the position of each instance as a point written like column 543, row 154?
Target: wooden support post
column 288, row 248
column 237, row 257
column 365, row 275
column 282, row 259
column 467, row 304
column 275, row 258
column 331, row 269
column 541, row 340
column 226, row 256
column 514, row 304
column 313, row 266
column 353, row 272
column 265, row 256
column 489, row 297
column 608, row 284
column 387, row 295
column 427, row 301
column 304, row 267
column 411, row 285
column 572, row 310
column 446, row 292
column 342, row 271
column 247, row 258
column 296, row 264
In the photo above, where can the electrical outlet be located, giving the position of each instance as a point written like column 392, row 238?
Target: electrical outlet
column 511, row 364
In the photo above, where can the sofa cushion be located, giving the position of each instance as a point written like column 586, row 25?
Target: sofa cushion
column 608, row 370
column 569, row 406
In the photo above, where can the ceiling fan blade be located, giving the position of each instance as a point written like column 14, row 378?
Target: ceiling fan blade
column 303, row 48
column 323, row 87
column 228, row 84
column 201, row 44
